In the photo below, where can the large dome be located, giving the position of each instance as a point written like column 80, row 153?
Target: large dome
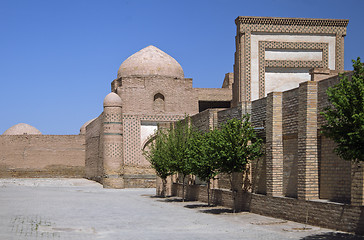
column 150, row 61
column 21, row 129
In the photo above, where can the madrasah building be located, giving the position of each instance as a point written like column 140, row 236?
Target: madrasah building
column 272, row 55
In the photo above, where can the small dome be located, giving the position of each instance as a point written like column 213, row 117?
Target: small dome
column 150, row 61
column 112, row 100
column 83, row 128
column 21, row 129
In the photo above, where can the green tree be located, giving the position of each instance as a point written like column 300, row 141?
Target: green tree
column 178, row 143
column 345, row 115
column 237, row 145
column 159, row 157
column 203, row 156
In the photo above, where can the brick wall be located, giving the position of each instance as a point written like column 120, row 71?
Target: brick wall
column 42, row 156
column 341, row 217
column 94, row 150
column 224, row 115
column 206, row 120
column 335, row 176
column 300, row 175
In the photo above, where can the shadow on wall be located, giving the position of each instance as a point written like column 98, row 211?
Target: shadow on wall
column 360, row 225
column 333, row 236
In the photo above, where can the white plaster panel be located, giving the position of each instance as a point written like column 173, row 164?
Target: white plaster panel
column 293, row 54
column 147, row 129
column 256, row 37
column 282, row 79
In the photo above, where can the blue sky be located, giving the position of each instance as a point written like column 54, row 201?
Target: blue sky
column 58, row 58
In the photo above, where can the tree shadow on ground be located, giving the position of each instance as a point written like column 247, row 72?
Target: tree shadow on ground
column 333, row 236
column 192, row 206
column 217, row 211
column 161, row 199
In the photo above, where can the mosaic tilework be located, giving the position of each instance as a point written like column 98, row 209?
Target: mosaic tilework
column 113, row 150
column 247, row 25
column 132, row 145
column 264, row 45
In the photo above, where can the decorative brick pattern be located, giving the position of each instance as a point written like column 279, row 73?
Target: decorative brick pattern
column 296, row 22
column 307, row 142
column 131, row 126
column 113, row 150
column 274, row 144
column 248, row 25
column 339, row 63
column 263, row 64
column 132, row 145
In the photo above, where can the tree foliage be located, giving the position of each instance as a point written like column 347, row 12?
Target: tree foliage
column 237, row 145
column 345, row 115
column 159, row 156
column 187, row 151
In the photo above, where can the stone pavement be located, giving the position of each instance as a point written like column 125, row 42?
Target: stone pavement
column 81, row 209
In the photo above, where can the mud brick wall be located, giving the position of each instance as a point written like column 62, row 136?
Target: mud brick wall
column 94, row 150
column 42, row 156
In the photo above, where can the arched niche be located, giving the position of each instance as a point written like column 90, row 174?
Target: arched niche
column 159, row 102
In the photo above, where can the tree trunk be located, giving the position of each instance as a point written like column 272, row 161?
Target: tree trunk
column 183, row 188
column 233, row 192
column 164, row 187
column 208, row 193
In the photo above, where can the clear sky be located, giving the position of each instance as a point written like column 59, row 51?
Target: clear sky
column 58, row 58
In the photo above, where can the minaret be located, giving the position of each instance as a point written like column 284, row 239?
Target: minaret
column 112, row 142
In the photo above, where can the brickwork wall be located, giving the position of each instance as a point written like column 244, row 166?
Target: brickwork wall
column 206, row 120
column 224, row 115
column 290, row 141
column 258, row 116
column 307, row 167
column 335, row 176
column 290, row 161
column 42, row 156
column 341, row 217
column 274, row 145
column 94, row 150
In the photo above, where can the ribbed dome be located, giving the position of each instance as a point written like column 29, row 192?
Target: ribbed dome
column 112, row 100
column 150, row 61
column 22, row 128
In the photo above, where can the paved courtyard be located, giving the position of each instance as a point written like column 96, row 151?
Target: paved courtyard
column 81, row 209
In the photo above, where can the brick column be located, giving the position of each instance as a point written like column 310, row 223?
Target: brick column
column 113, row 142
column 308, row 179
column 357, row 184
column 274, row 144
